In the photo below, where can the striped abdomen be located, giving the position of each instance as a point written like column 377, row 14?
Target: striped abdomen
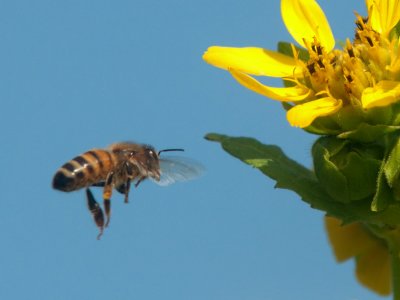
column 84, row 170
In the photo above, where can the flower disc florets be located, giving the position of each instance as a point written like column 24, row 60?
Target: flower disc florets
column 332, row 91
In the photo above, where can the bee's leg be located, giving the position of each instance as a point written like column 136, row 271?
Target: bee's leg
column 96, row 212
column 127, row 188
column 139, row 181
column 130, row 175
column 108, row 186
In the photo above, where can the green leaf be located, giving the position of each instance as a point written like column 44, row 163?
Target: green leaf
column 289, row 174
column 270, row 160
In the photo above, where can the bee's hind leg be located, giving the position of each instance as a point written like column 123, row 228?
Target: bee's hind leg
column 96, row 212
column 107, row 192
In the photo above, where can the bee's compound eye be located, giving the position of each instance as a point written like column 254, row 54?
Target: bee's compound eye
column 132, row 153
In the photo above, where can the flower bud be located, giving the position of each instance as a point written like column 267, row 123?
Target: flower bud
column 347, row 170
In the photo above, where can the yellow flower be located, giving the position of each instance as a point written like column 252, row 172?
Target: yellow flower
column 370, row 253
column 363, row 75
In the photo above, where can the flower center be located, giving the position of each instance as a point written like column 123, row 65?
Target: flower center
column 344, row 74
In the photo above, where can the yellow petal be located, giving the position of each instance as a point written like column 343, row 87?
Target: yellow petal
column 305, row 19
column 372, row 257
column 303, row 115
column 373, row 269
column 347, row 240
column 289, row 94
column 384, row 93
column 252, row 60
column 383, row 14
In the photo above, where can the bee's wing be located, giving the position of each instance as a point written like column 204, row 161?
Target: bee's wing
column 178, row 169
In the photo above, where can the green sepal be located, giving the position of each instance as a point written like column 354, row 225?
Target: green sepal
column 289, row 174
column 395, row 32
column 286, row 48
column 383, row 195
column 348, row 123
column 391, row 168
column 348, row 117
column 381, row 115
column 367, row 133
column 324, row 126
column 286, row 106
column 396, row 114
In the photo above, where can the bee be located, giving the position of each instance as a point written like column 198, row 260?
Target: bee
column 116, row 167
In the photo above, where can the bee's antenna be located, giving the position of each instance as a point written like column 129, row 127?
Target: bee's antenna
column 168, row 150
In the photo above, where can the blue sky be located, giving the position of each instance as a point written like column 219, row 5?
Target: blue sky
column 75, row 75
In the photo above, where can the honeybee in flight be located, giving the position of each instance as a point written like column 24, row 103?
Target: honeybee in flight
column 117, row 167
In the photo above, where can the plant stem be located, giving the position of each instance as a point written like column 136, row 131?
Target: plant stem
column 394, row 248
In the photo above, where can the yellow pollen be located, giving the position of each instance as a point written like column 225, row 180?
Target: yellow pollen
column 345, row 74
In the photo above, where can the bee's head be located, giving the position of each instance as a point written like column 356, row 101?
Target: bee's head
column 150, row 161
column 146, row 159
